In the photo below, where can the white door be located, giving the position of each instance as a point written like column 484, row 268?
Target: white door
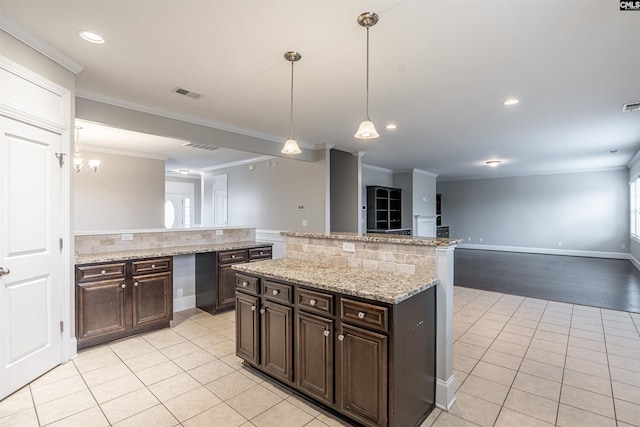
column 30, row 254
column 220, row 208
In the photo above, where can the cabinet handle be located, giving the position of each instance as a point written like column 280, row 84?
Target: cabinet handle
column 326, row 333
column 135, row 283
column 276, row 292
column 261, row 253
column 245, row 283
column 103, row 272
column 361, row 315
column 123, row 286
column 233, row 256
column 153, row 266
column 340, row 337
column 262, row 311
column 253, row 308
column 312, row 302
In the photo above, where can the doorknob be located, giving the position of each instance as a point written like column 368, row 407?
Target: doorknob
column 4, row 271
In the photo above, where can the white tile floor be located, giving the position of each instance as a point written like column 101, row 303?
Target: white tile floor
column 517, row 362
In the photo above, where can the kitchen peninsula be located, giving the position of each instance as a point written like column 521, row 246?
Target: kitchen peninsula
column 385, row 299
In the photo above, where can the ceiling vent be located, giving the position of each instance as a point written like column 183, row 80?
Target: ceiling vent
column 200, row 146
column 634, row 106
column 188, row 93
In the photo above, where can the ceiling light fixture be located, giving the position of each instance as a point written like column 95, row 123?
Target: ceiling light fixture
column 367, row 130
column 291, row 146
column 391, row 126
column 91, row 37
column 511, row 101
column 184, row 171
column 78, row 161
column 493, row 163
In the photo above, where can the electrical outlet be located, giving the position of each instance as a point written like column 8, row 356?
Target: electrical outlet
column 559, row 243
column 348, row 246
column 480, row 240
column 468, row 239
column 127, row 236
column 622, row 247
column 219, row 232
column 304, row 223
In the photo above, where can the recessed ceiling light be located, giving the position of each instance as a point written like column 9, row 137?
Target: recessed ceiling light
column 511, row 101
column 493, row 163
column 391, row 126
column 91, row 37
column 184, row 171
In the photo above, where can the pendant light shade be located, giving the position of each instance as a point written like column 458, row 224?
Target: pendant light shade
column 291, row 146
column 367, row 130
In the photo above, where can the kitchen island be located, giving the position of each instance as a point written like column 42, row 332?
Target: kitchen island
column 338, row 259
column 359, row 342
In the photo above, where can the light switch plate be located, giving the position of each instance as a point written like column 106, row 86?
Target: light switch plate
column 348, row 246
column 127, row 236
column 219, row 232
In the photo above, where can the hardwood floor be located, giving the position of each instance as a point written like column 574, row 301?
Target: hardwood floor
column 597, row 282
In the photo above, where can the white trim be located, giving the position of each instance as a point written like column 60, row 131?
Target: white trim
column 445, row 393
column 184, row 303
column 93, row 96
column 634, row 159
column 634, row 261
column 272, row 236
column 546, row 251
column 376, row 168
column 516, row 175
column 22, row 34
column 238, row 163
column 123, row 153
column 420, row 171
column 72, row 349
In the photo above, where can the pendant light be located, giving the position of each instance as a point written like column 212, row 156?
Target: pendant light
column 367, row 130
column 291, row 146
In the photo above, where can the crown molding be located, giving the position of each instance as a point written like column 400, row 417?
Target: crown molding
column 20, row 33
column 376, row 168
column 239, row 163
column 421, row 172
column 515, row 175
column 127, row 153
column 105, row 99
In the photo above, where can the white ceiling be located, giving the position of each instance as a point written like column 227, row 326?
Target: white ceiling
column 439, row 69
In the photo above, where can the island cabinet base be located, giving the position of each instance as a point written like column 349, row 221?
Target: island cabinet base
column 370, row 362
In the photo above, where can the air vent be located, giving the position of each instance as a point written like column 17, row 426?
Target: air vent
column 634, row 106
column 188, row 93
column 200, row 146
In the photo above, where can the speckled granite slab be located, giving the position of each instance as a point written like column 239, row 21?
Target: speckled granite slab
column 168, row 251
column 377, row 238
column 374, row 285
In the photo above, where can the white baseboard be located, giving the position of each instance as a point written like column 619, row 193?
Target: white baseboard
column 184, row 303
column 545, row 251
column 635, row 262
column 72, row 349
column 445, row 393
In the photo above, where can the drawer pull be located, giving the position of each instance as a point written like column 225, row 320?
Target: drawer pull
column 123, row 286
column 276, row 292
column 340, row 337
column 153, row 266
column 262, row 311
column 312, row 302
column 233, row 256
column 103, row 272
column 135, row 283
column 326, row 333
column 361, row 315
column 261, row 253
column 253, row 308
column 245, row 283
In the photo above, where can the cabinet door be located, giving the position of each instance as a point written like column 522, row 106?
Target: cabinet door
column 247, row 328
column 226, row 287
column 277, row 339
column 314, row 356
column 152, row 299
column 362, row 375
column 101, row 308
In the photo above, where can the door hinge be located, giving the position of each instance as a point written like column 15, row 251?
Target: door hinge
column 61, row 244
column 61, row 326
column 60, row 157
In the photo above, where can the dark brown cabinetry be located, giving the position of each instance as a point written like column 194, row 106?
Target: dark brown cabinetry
column 117, row 299
column 215, row 279
column 384, row 208
column 372, row 362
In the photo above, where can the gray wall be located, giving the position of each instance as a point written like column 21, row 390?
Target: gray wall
column 404, row 180
column 125, row 193
column 585, row 211
column 268, row 197
column 345, row 188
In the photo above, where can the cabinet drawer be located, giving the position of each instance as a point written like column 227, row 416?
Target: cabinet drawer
column 361, row 313
column 260, row 253
column 229, row 257
column 247, row 284
column 315, row 301
column 278, row 291
column 86, row 273
column 154, row 265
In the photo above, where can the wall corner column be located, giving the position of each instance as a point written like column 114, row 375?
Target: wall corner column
column 445, row 383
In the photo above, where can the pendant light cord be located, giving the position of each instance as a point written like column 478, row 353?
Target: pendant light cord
column 367, row 73
column 291, row 111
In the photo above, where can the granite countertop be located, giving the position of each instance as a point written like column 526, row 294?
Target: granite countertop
column 370, row 284
column 166, row 251
column 377, row 238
